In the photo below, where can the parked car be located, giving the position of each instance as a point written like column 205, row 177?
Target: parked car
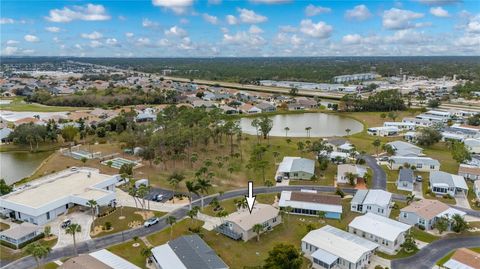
column 66, row 223
column 151, row 221
column 279, row 178
column 157, row 197
column 419, row 179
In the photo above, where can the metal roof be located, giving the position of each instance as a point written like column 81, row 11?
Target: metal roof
column 112, row 260
column 380, row 226
column 406, row 174
column 451, row 180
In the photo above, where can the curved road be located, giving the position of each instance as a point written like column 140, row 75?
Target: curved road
column 379, row 178
column 113, row 239
column 430, row 254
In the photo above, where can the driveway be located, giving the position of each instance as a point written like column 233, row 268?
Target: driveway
column 379, row 178
column 430, row 254
column 124, row 199
column 417, row 190
column 82, row 218
column 462, row 200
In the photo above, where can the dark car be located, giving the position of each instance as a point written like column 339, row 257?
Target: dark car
column 66, row 223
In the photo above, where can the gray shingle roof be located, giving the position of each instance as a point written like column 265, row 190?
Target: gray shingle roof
column 195, row 253
column 406, row 175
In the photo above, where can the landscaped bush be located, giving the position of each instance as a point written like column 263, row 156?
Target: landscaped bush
column 108, row 225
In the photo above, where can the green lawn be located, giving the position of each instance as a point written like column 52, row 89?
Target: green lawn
column 392, row 176
column 8, row 254
column 119, row 225
column 423, row 236
column 50, row 265
column 4, row 226
column 130, row 253
column 401, row 254
column 433, row 196
column 17, row 104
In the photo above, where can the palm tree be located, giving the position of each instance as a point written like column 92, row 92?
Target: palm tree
column 308, row 130
column 73, row 229
column 192, row 188
column 459, row 224
column 321, row 214
column 146, row 252
column 222, row 214
column 348, row 131
column 258, row 228
column 351, row 178
column 171, row 220
column 286, row 131
column 203, row 186
column 93, row 206
column 410, row 198
column 192, row 214
column 275, row 155
column 376, row 143
column 175, row 179
column 241, row 204
column 38, row 251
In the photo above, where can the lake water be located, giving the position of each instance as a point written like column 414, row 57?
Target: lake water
column 15, row 166
column 323, row 125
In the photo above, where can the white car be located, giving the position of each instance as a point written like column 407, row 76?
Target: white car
column 151, row 221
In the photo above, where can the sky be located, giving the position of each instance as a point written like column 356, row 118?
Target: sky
column 249, row 28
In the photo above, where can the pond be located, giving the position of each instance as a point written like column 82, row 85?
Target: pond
column 322, row 125
column 15, row 166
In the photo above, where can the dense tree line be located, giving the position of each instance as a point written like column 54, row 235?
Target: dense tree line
column 390, row 100
column 468, row 87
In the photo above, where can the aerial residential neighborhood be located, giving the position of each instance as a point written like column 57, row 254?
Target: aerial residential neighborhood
column 255, row 134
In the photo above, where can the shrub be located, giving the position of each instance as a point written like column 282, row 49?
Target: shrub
column 340, row 192
column 108, row 225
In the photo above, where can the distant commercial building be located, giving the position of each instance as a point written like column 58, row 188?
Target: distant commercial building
column 46, row 198
column 354, row 77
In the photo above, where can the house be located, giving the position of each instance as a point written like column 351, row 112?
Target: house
column 19, row 235
column 295, row 106
column 406, row 179
column 425, row 213
column 402, row 126
column 330, row 247
column 229, row 110
column 337, row 143
column 476, row 189
column 203, row 103
column 266, row 107
column 473, row 145
column 389, row 234
column 375, row 201
column 405, row 149
column 306, row 202
column 296, row 168
column 344, row 169
column 423, row 164
column 4, row 133
column 383, row 131
column 249, row 109
column 410, row 136
column 306, row 102
column 56, row 193
column 418, row 122
column 442, row 183
column 463, row 258
column 239, row 225
column 187, row 252
column 101, row 259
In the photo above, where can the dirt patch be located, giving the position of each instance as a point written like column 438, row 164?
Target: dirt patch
column 98, row 230
column 50, row 238
column 134, row 224
column 121, row 217
column 145, row 214
column 177, row 201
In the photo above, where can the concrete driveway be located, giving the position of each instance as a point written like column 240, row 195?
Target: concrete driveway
column 82, row 218
column 462, row 200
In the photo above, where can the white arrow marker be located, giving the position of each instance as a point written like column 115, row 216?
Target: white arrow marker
column 250, row 198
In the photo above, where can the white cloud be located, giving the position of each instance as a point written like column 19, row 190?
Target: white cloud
column 255, row 30
column 210, row 19
column 473, row 25
column 9, row 50
column 312, row 10
column 89, row 12
column 176, row 31
column 186, row 44
column 177, row 6
column 359, row 13
column 93, row 35
column 31, row 38
column 352, row 39
column 232, row 20
column 78, row 46
column 249, row 16
column 407, row 36
column 52, row 29
column 96, row 44
column 244, row 38
column 12, row 42
column 7, row 21
column 317, row 30
column 287, row 29
column 149, row 23
column 129, row 34
column 143, row 41
column 270, row 1
column 111, row 41
column 439, row 12
column 163, row 42
column 398, row 19
column 28, row 51
column 469, row 40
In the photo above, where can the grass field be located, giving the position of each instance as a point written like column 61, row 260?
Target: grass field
column 19, row 105
column 8, row 254
column 130, row 253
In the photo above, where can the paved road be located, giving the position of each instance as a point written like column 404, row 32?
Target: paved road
column 113, row 239
column 379, row 179
column 430, row 254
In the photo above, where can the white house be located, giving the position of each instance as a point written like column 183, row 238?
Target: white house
column 100, row 259
column 442, row 183
column 463, row 258
column 405, row 149
column 375, row 201
column 406, row 179
column 46, row 198
column 383, row 131
column 296, row 168
column 187, row 252
column 423, row 164
column 470, row 172
column 403, row 126
column 307, row 202
column 473, row 145
column 418, row 122
column 329, row 247
column 344, row 169
column 476, row 188
column 389, row 234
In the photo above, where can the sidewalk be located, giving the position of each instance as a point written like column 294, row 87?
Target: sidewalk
column 210, row 222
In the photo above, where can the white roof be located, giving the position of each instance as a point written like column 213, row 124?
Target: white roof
column 112, row 260
column 324, row 256
column 454, row 264
column 450, row 212
column 296, row 164
column 380, row 226
column 378, row 197
column 340, row 243
column 285, row 201
column 438, row 178
column 260, row 213
column 166, row 257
